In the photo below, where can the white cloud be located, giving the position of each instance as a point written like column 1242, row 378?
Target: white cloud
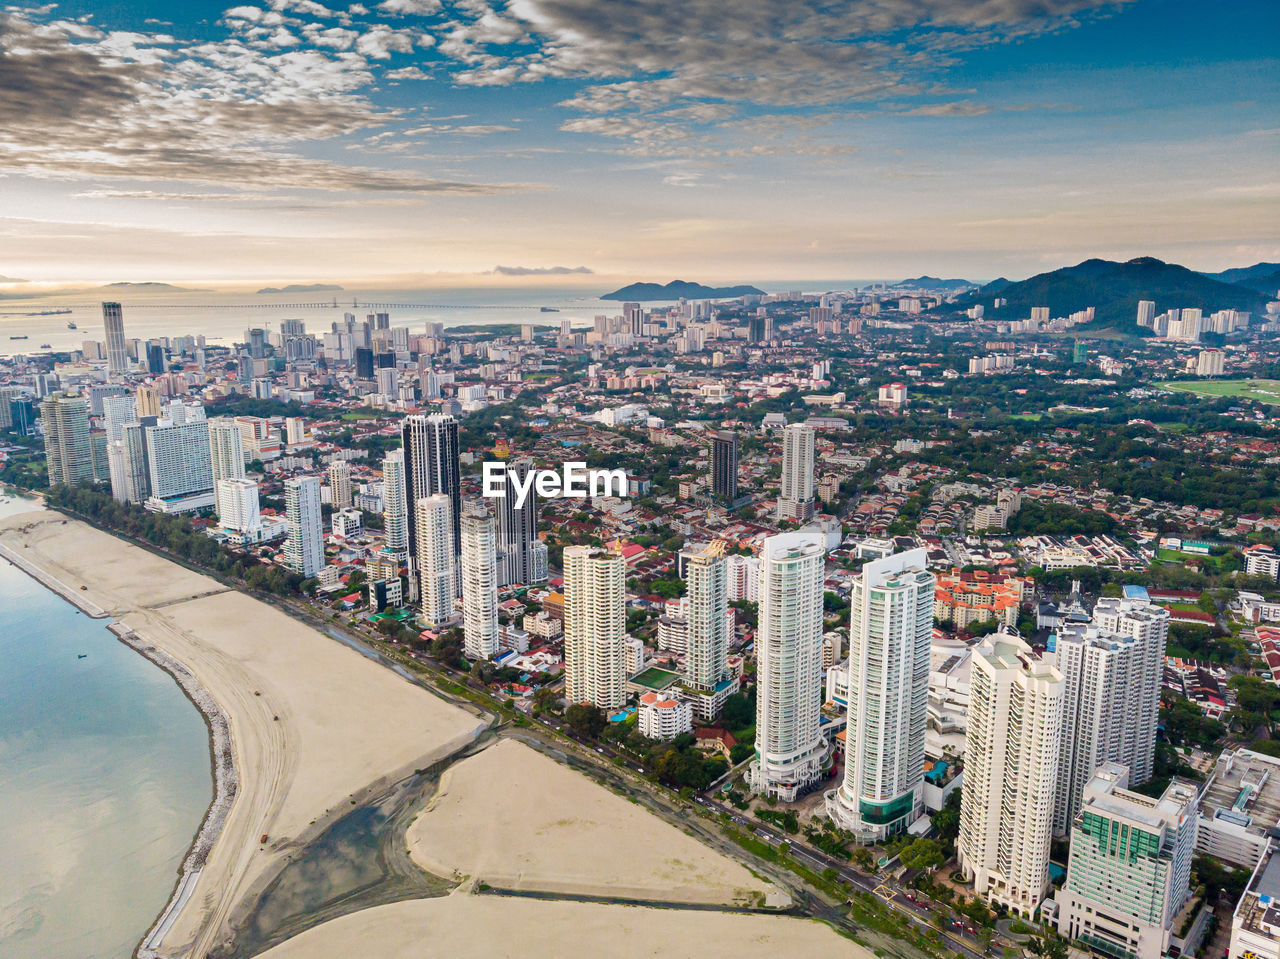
column 402, row 8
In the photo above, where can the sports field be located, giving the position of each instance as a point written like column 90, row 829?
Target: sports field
column 1264, row 391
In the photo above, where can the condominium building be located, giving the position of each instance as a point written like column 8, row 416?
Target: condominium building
column 662, row 717
column 179, row 465
column 116, row 412
column 127, row 462
column 479, row 584
column 1209, row 363
column 743, row 573
column 238, row 505
column 796, row 499
column 791, row 752
column 522, row 556
column 1112, row 668
column 1262, row 560
column 1129, row 867
column 595, row 626
column 977, row 596
column 1010, row 771
column 431, row 466
column 1255, row 925
column 395, row 504
column 435, row 558
column 706, row 660
column 890, row 635
column 724, row 465
column 304, row 549
column 147, row 400
column 117, row 354
column 340, row 484
column 226, row 455
column 67, row 452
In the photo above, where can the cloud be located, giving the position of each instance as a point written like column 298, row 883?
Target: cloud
column 228, row 112
column 539, row 270
column 409, row 7
column 691, row 65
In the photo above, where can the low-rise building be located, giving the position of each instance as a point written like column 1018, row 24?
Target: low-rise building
column 663, row 717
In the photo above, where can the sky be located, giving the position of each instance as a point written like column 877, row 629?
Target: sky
column 408, row 143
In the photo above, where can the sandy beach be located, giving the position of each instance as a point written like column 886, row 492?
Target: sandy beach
column 516, row 819
column 463, row 926
column 313, row 724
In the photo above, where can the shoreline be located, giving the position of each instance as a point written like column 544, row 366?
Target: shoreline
column 300, row 728
column 221, row 753
column 226, row 784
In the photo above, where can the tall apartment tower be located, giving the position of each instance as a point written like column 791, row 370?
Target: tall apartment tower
column 724, row 465
column 1112, row 670
column 706, row 661
column 436, row 558
column 791, row 753
column 179, row 465
column 67, row 450
column 522, row 556
column 340, row 484
column 117, row 354
column 1011, row 769
column 795, row 501
column 890, row 634
column 1129, row 865
column 226, row 455
column 395, row 503
column 116, row 412
column 147, row 400
column 304, row 549
column 431, row 465
column 127, row 462
column 595, row 622
column 479, row 584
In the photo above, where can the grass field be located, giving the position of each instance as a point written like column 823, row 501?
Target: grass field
column 1263, row 391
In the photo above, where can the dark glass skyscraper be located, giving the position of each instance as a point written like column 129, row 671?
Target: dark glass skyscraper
column 431, row 466
column 724, row 465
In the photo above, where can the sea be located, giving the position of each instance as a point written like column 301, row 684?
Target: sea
column 223, row 317
column 104, row 778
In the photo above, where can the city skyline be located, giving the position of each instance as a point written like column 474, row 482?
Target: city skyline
column 409, row 143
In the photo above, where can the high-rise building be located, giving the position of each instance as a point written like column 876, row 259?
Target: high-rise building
column 238, row 505
column 479, row 584
column 179, row 465
column 890, row 635
column 1209, row 363
column 1010, row 772
column 116, row 411
column 522, row 556
column 595, row 621
column 706, row 660
column 1129, row 866
column 364, row 363
column 304, row 549
column 796, row 499
column 67, row 451
column 127, row 461
column 226, row 455
column 431, row 465
column 117, row 355
column 395, row 503
column 155, row 359
column 340, row 484
column 724, row 465
column 436, row 558
column 791, row 752
column 1112, row 670
column 147, row 400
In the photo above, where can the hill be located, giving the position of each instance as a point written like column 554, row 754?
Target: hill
column 302, row 288
column 150, row 286
column 642, row 292
column 1245, row 275
column 932, row 283
column 1114, row 289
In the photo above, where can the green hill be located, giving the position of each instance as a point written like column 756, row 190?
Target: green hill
column 643, row 292
column 1114, row 290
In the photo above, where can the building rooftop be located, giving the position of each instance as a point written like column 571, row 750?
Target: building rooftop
column 1245, row 789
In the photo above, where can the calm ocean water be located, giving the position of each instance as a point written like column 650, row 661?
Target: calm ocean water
column 104, row 778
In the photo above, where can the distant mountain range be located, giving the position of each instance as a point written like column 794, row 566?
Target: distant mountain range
column 1114, row 289
column 302, row 288
column 642, row 292
column 150, row 286
column 1263, row 277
